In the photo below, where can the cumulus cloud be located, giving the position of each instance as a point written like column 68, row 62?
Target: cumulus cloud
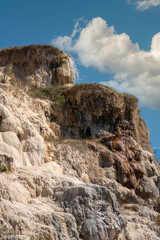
column 143, row 5
column 134, row 71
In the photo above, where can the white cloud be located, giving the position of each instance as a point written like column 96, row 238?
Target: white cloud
column 66, row 42
column 146, row 4
column 143, row 5
column 135, row 71
column 63, row 42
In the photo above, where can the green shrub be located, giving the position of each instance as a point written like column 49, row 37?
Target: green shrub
column 53, row 93
column 4, row 168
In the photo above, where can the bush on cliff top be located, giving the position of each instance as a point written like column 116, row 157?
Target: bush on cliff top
column 53, row 93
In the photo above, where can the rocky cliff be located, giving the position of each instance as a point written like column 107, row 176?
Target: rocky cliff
column 75, row 160
column 37, row 65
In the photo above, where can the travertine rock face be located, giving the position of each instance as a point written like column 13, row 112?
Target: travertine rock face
column 81, row 168
column 92, row 110
column 18, row 136
column 37, row 65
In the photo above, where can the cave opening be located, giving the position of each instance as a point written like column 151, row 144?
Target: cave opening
column 0, row 120
column 88, row 132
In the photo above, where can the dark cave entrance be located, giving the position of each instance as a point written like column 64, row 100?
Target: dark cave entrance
column 88, row 132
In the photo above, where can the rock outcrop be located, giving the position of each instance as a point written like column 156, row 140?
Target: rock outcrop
column 75, row 161
column 37, row 65
column 92, row 110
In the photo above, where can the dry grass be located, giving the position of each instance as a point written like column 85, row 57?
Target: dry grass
column 29, row 53
column 29, row 58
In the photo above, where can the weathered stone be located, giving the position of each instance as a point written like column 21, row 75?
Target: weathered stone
column 95, row 210
column 78, row 169
column 37, row 65
column 92, row 109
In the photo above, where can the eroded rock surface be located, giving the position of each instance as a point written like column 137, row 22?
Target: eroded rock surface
column 37, row 65
column 81, row 168
column 92, row 110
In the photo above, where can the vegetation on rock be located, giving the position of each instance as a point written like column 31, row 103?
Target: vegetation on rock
column 4, row 168
column 53, row 93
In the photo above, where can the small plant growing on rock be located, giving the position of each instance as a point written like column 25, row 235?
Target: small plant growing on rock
column 5, row 231
column 4, row 168
column 53, row 93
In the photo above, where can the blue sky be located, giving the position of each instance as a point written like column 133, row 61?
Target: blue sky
column 41, row 22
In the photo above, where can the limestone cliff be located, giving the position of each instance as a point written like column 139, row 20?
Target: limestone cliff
column 75, row 161
column 39, row 65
